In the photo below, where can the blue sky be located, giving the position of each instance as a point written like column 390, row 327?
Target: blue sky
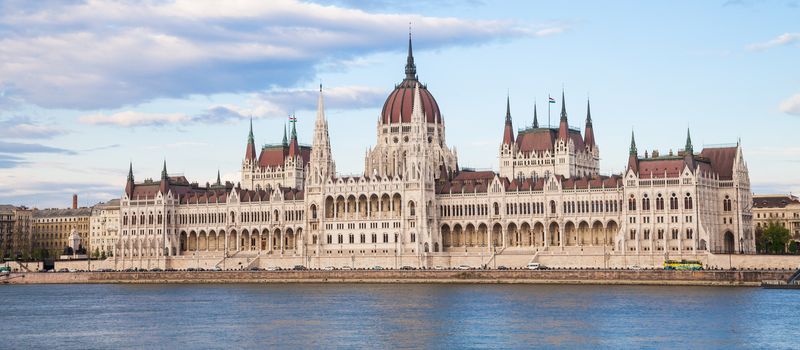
column 86, row 87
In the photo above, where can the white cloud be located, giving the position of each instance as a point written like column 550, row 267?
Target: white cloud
column 22, row 127
column 791, row 105
column 132, row 118
column 780, row 40
column 99, row 54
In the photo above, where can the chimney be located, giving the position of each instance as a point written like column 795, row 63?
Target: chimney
column 75, row 201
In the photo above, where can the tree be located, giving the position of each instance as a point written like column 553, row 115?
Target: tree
column 103, row 255
column 774, row 238
column 96, row 253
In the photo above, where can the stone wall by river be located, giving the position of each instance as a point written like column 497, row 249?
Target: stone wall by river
column 636, row 277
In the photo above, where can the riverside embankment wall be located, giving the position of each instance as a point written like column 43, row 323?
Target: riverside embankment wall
column 631, row 277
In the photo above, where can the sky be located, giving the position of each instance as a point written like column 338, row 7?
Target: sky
column 87, row 87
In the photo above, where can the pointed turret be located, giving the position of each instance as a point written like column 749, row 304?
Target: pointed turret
column 294, row 148
column 689, row 149
column 588, row 133
column 321, row 162
column 633, row 156
column 563, row 126
column 164, row 185
column 535, row 116
column 219, row 180
column 250, row 150
column 285, row 139
column 508, row 131
column 129, row 184
column 411, row 68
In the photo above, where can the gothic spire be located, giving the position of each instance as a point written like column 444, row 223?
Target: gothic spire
column 563, row 125
column 588, row 132
column 130, row 173
column 294, row 130
column 285, row 140
column 689, row 149
column 633, row 157
column 129, row 185
column 508, row 130
column 219, row 180
column 164, row 170
column 164, row 185
column 535, row 116
column 411, row 68
column 250, row 149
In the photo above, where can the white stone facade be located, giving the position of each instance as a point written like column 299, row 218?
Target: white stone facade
column 413, row 205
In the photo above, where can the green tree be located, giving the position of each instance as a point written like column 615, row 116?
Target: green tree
column 96, row 253
column 103, row 255
column 774, row 238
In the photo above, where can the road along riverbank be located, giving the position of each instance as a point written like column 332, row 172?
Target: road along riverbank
column 611, row 277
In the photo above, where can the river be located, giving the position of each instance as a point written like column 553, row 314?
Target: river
column 379, row 316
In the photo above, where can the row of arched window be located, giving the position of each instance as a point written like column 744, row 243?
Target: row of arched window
column 688, row 203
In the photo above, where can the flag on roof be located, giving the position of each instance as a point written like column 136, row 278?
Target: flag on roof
column 551, row 100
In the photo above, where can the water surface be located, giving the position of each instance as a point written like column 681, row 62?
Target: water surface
column 395, row 316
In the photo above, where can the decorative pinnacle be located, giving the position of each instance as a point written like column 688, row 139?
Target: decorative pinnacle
column 633, row 151
column 285, row 140
column 130, row 172
column 164, row 170
column 219, row 181
column 535, row 116
column 508, row 108
column 588, row 113
column 563, row 106
column 689, row 148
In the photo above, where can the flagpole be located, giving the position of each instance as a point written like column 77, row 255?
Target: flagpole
column 548, row 110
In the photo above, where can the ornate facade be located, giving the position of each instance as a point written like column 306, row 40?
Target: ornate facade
column 413, row 203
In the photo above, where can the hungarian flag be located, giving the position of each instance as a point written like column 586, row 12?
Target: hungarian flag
column 292, row 118
column 551, row 100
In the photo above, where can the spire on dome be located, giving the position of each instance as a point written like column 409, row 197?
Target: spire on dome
column 411, row 68
column 633, row 150
column 535, row 116
column 563, row 126
column 588, row 136
column 508, row 130
column 130, row 173
column 164, row 170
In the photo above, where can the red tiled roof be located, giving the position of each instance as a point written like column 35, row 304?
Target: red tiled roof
column 722, row 159
column 275, row 156
column 543, row 139
column 400, row 103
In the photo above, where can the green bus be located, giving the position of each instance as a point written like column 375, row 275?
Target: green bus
column 691, row 265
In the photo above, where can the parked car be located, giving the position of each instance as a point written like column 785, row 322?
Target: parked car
column 299, row 268
column 345, row 267
column 376, row 267
column 464, row 267
column 636, row 267
column 501, row 267
column 534, row 266
column 156, row 269
column 329, row 268
column 215, row 268
column 273, row 268
column 438, row 267
column 191, row 269
column 72, row 270
column 254, row 268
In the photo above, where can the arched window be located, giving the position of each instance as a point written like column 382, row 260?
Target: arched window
column 673, row 202
column 313, row 211
column 687, row 201
column 496, row 209
column 645, row 203
column 659, row 202
column 726, row 204
column 552, row 207
column 632, row 203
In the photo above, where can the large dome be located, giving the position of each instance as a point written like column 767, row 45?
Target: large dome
column 400, row 102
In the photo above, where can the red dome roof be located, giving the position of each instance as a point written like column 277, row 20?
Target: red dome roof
column 400, row 103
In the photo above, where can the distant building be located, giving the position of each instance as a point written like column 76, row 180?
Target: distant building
column 104, row 228
column 781, row 209
column 15, row 231
column 52, row 228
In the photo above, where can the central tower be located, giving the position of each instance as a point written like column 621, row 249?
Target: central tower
column 397, row 130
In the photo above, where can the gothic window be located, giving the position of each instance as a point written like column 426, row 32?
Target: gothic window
column 726, row 204
column 660, row 233
column 633, row 234
column 673, row 202
column 689, row 233
column 687, row 201
column 659, row 202
column 674, row 233
column 632, row 203
column 374, row 238
column 552, row 207
column 496, row 209
column 645, row 203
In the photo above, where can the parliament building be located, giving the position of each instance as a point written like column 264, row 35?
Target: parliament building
column 414, row 206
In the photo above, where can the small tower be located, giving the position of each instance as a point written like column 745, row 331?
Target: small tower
column 589, row 131
column 535, row 116
column 164, row 184
column 129, row 183
column 563, row 126
column 633, row 156
column 508, row 131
